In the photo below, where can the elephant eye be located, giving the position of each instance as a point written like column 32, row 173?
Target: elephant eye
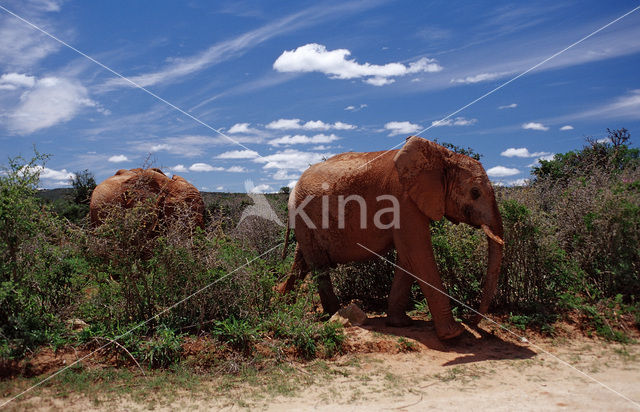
column 475, row 193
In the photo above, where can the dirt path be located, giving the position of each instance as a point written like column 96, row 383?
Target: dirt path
column 409, row 369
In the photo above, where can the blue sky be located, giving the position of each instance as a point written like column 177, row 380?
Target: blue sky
column 289, row 83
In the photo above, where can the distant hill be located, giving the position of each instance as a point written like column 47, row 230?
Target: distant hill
column 210, row 198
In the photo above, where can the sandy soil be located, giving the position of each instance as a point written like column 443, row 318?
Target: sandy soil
column 410, row 369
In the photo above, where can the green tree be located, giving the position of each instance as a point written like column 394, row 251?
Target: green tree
column 83, row 184
column 611, row 154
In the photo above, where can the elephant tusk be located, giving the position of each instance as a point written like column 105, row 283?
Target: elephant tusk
column 490, row 234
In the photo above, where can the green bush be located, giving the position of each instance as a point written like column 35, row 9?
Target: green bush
column 41, row 273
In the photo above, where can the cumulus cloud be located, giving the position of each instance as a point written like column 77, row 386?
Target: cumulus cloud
column 283, row 174
column 12, row 81
column 508, row 106
column 512, row 182
column 521, row 152
column 502, row 171
column 179, row 169
column 263, row 188
column 397, row 128
column 238, row 154
column 291, row 159
column 535, row 126
column 546, row 157
column 303, row 139
column 567, row 127
column 50, row 101
column 236, row 169
column 204, row 167
column 53, row 177
column 482, row 77
column 118, row 159
column 242, row 128
column 291, row 124
column 315, row 57
column 458, row 121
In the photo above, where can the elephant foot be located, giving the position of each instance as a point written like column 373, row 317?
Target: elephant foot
column 285, row 287
column 398, row 320
column 452, row 330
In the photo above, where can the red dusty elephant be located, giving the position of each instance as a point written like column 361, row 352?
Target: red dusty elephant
column 355, row 206
column 128, row 188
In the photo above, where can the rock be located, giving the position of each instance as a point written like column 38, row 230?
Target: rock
column 351, row 314
column 340, row 319
column 77, row 324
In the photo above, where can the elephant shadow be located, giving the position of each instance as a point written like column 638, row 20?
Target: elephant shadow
column 476, row 346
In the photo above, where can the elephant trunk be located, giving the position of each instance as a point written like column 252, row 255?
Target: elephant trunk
column 495, row 246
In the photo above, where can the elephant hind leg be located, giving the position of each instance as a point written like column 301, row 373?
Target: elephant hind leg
column 328, row 298
column 297, row 273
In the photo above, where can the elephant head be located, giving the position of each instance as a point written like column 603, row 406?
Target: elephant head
column 443, row 183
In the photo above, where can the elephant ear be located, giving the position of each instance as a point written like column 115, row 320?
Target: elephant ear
column 421, row 165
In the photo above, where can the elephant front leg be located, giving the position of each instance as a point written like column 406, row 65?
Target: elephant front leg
column 413, row 244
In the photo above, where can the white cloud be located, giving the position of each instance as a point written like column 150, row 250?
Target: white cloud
column 284, row 124
column 397, row 128
column 12, row 81
column 291, row 124
column 291, row 159
column 238, row 154
column 501, row 171
column 546, row 157
column 242, row 128
column 263, row 188
column 204, row 167
column 514, row 182
column 22, row 47
column 352, row 108
column 283, row 174
column 535, row 126
column 315, row 57
column 50, row 101
column 458, row 121
column 220, row 188
column 482, row 77
column 54, row 177
column 118, row 159
column 292, row 184
column 508, row 106
column 567, row 127
column 521, row 152
column 622, row 107
column 236, row 169
column 187, row 145
column 302, row 139
column 181, row 67
column 179, row 169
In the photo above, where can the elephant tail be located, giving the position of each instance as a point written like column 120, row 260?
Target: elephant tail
column 286, row 241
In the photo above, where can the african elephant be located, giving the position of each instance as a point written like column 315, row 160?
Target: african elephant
column 353, row 204
column 128, row 188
